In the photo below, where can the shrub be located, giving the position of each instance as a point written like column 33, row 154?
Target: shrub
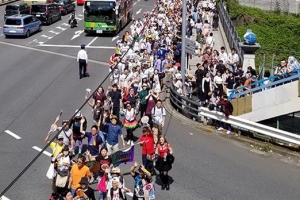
column 277, row 33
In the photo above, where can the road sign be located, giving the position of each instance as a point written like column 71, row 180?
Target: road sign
column 190, row 42
column 190, row 50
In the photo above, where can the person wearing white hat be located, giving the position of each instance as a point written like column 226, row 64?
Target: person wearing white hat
column 79, row 126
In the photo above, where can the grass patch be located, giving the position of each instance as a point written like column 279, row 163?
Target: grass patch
column 276, row 32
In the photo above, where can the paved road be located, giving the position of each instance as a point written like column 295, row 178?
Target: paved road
column 38, row 81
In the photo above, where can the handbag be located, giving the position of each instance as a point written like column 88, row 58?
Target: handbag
column 102, row 184
column 51, row 173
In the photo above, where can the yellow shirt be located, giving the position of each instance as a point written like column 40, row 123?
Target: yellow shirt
column 77, row 174
column 56, row 148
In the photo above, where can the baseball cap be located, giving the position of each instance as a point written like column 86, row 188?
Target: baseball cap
column 60, row 136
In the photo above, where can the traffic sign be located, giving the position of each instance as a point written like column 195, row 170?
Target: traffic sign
column 190, row 50
column 190, row 42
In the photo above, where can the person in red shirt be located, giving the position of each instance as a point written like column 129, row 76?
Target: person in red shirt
column 163, row 164
column 147, row 144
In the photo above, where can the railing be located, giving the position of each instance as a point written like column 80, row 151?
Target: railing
column 195, row 111
column 260, row 86
column 230, row 32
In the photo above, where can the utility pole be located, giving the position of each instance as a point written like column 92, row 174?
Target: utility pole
column 183, row 34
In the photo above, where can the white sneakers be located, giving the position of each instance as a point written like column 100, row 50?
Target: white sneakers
column 129, row 142
column 221, row 129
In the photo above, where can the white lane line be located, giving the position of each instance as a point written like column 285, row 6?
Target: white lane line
column 60, row 28
column 44, row 152
column 12, row 134
column 5, row 198
column 76, row 46
column 53, row 53
column 138, row 12
column 45, row 36
column 56, row 33
column 92, row 41
column 80, row 15
column 65, row 24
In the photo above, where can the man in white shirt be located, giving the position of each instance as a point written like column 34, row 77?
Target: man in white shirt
column 233, row 60
column 223, row 55
column 158, row 119
column 82, row 59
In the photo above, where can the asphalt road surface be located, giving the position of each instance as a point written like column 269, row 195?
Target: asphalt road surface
column 39, row 77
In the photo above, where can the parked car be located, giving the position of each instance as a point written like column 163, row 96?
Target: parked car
column 21, row 25
column 47, row 13
column 80, row 2
column 65, row 6
column 16, row 9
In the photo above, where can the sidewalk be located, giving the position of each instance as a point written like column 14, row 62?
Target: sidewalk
column 220, row 40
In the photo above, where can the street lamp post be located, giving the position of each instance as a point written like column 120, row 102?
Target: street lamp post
column 183, row 34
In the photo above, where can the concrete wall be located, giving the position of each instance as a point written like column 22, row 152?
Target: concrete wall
column 274, row 102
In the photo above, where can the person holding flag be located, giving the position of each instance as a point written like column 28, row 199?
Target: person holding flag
column 95, row 141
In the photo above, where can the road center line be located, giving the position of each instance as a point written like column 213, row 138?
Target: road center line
column 53, row 53
column 12, row 134
column 44, row 152
column 92, row 41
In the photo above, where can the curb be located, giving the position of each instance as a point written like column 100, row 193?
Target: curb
column 252, row 142
column 224, row 38
column 8, row 2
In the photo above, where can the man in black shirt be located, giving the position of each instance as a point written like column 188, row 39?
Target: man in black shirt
column 116, row 99
column 221, row 67
column 84, row 191
column 199, row 75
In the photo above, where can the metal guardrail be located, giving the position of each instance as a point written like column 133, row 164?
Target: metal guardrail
column 3, row 2
column 260, row 86
column 230, row 32
column 194, row 110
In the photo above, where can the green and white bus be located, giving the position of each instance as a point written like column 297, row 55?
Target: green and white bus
column 107, row 16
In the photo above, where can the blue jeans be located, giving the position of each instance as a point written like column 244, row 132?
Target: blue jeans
column 144, row 159
column 198, row 30
column 73, row 192
column 222, row 124
column 101, row 134
column 102, row 195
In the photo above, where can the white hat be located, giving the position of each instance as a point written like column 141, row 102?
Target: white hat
column 78, row 114
column 115, row 179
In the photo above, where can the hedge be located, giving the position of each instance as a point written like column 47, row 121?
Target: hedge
column 277, row 33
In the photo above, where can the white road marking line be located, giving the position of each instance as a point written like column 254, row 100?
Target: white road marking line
column 56, row 33
column 80, row 15
column 77, row 34
column 60, row 28
column 5, row 198
column 130, row 194
column 136, row 2
column 138, row 12
column 44, row 152
column 65, row 24
column 92, row 41
column 1, row 35
column 54, row 53
column 45, row 36
column 41, row 43
column 114, row 38
column 12, row 134
column 76, row 46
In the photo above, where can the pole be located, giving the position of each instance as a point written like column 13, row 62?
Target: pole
column 183, row 34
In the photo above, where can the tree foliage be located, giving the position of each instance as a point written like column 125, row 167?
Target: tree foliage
column 277, row 33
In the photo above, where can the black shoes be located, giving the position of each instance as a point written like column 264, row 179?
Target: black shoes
column 168, row 187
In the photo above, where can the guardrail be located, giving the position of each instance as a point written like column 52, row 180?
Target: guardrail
column 230, row 32
column 3, row 2
column 260, row 86
column 195, row 111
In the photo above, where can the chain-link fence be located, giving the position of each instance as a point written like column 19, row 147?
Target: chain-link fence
column 284, row 6
column 289, row 123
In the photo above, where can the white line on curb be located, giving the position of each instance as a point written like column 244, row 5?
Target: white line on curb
column 44, row 152
column 12, row 134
